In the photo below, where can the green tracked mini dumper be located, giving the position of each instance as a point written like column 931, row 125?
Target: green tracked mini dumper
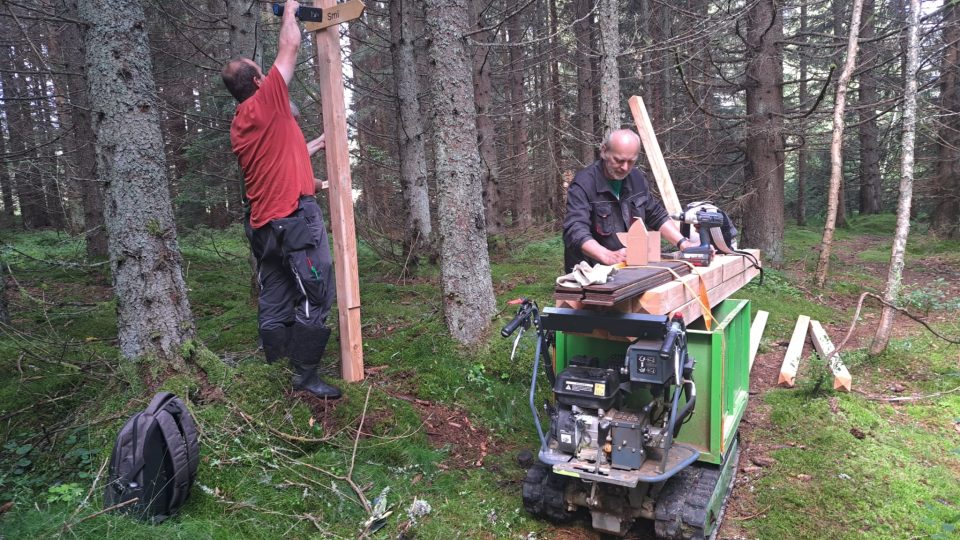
column 642, row 422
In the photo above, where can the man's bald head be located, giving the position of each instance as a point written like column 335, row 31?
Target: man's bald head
column 619, row 153
column 242, row 77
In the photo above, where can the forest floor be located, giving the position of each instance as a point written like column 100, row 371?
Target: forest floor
column 441, row 425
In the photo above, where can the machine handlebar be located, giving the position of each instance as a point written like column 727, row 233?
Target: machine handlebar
column 521, row 319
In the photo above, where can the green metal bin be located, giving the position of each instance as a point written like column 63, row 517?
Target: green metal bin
column 721, row 375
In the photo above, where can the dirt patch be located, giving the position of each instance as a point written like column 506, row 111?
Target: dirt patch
column 446, row 427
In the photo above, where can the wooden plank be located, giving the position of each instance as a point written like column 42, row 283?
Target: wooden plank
column 692, row 310
column 336, row 14
column 821, row 342
column 330, row 80
column 791, row 361
column 756, row 332
column 670, row 296
column 654, row 156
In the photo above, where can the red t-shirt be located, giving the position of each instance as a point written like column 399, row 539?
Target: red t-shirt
column 272, row 152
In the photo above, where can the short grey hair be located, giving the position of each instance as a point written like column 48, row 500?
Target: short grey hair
column 609, row 135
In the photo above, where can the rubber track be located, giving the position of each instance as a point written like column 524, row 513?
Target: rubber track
column 543, row 494
column 682, row 507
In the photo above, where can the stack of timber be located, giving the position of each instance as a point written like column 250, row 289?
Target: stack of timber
column 726, row 275
column 626, row 283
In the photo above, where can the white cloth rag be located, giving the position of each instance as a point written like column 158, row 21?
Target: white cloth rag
column 583, row 274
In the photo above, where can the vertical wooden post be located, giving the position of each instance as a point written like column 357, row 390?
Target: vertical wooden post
column 330, row 79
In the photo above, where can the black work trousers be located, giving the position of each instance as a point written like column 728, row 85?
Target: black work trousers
column 294, row 268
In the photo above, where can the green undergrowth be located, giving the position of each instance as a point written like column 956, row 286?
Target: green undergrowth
column 273, row 462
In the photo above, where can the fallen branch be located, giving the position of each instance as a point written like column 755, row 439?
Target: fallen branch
column 908, row 398
column 283, row 435
column 856, row 316
column 105, row 510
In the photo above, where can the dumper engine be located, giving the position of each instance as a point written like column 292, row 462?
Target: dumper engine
column 590, row 420
column 610, row 446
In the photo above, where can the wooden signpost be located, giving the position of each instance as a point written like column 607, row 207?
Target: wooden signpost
column 326, row 35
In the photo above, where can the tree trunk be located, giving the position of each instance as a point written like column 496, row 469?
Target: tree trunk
column 6, row 182
column 243, row 25
column 84, row 138
column 581, row 30
column 801, row 209
column 836, row 153
column 468, row 296
column 153, row 313
column 22, row 144
column 946, row 212
column 609, row 68
column 764, row 169
column 895, row 273
column 555, row 135
column 413, row 162
column 524, row 185
column 870, row 181
column 486, row 130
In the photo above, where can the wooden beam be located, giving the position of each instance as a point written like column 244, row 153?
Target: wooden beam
column 791, row 361
column 654, row 156
column 670, row 296
column 330, row 80
column 756, row 332
column 821, row 342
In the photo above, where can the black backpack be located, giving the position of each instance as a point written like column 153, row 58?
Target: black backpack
column 154, row 460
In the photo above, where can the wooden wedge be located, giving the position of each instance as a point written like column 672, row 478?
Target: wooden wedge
column 791, row 361
column 821, row 341
column 756, row 332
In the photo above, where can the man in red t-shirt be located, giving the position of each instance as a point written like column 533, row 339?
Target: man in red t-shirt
column 285, row 229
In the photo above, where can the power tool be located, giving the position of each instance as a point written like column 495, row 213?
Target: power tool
column 304, row 13
column 706, row 218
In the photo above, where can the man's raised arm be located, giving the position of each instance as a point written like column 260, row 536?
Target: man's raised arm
column 289, row 44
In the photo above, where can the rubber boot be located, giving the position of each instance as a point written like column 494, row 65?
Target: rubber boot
column 307, row 344
column 275, row 343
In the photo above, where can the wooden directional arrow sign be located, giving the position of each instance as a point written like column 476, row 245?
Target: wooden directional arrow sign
column 340, row 13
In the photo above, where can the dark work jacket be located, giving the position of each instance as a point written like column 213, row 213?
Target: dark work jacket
column 594, row 212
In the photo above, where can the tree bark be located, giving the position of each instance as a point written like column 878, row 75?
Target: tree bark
column 609, row 68
column 870, row 181
column 801, row 208
column 22, row 144
column 836, row 146
column 946, row 211
column 465, row 278
column 518, row 123
column 153, row 312
column 6, row 182
column 895, row 272
column 555, row 135
column 413, row 163
column 84, row 139
column 486, row 129
column 585, row 83
column 764, row 169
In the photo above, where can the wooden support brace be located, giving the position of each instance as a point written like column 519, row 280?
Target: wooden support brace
column 330, row 80
column 756, row 332
column 821, row 341
column 654, row 156
column 791, row 361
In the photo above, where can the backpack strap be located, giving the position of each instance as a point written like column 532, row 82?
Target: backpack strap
column 177, row 449
column 188, row 428
column 158, row 402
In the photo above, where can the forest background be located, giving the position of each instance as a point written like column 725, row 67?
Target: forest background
column 115, row 124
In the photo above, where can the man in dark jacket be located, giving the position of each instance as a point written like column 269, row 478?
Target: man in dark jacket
column 605, row 198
